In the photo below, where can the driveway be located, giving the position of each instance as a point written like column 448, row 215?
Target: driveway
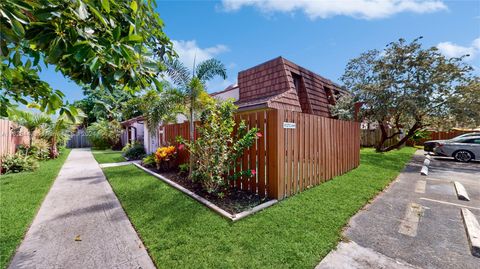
column 415, row 223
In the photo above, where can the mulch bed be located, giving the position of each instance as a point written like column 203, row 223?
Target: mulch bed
column 234, row 201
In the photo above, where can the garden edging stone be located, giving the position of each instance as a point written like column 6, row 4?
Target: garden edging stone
column 215, row 208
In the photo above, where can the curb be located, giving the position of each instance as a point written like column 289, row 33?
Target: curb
column 461, row 191
column 472, row 228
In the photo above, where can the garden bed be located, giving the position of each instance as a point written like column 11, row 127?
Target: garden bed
column 235, row 204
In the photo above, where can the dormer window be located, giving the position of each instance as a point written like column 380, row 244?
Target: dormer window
column 297, row 80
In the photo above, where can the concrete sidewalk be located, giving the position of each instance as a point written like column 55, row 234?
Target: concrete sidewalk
column 81, row 224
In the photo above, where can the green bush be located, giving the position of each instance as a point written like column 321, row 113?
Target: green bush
column 149, row 161
column 15, row 163
column 40, row 149
column 216, row 150
column 104, row 134
column 183, row 169
column 135, row 151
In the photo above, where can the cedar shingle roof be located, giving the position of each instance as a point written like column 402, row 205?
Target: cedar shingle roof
column 271, row 85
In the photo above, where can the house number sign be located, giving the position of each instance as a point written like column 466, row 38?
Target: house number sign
column 289, row 125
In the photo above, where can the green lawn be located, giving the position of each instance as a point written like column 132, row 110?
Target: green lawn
column 20, row 197
column 108, row 156
column 295, row 233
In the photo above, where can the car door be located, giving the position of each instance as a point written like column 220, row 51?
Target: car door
column 472, row 145
column 475, row 146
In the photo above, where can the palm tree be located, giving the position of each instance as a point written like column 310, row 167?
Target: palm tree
column 31, row 121
column 192, row 84
column 54, row 131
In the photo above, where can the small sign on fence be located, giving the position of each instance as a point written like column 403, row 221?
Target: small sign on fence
column 289, row 125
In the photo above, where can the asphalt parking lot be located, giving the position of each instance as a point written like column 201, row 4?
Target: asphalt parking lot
column 417, row 221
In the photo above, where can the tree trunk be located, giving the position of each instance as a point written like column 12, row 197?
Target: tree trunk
column 402, row 141
column 383, row 138
column 192, row 133
column 53, row 148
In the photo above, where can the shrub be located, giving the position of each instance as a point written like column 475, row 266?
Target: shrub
column 216, row 150
column 18, row 162
column 104, row 134
column 149, row 161
column 164, row 157
column 134, row 151
column 40, row 149
column 183, row 169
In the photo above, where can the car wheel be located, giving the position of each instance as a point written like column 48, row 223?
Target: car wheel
column 463, row 156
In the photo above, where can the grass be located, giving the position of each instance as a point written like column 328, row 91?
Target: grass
column 108, row 156
column 296, row 233
column 20, row 198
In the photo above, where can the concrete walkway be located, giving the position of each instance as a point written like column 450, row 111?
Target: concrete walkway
column 81, row 224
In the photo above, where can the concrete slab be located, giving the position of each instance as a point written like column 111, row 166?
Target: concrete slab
column 461, row 192
column 81, row 224
column 351, row 255
column 473, row 231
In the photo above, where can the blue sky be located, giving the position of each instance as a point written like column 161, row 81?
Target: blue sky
column 319, row 35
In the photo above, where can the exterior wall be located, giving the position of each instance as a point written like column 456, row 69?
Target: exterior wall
column 139, row 135
column 150, row 140
column 227, row 94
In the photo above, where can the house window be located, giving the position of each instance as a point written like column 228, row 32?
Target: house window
column 330, row 96
column 297, row 80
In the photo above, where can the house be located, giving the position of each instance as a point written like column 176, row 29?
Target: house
column 275, row 84
column 282, row 84
column 134, row 130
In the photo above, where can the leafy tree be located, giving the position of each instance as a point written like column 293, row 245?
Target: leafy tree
column 192, row 84
column 31, row 121
column 407, row 88
column 95, row 43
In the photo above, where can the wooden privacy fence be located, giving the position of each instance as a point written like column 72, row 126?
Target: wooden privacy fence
column 370, row 138
column 434, row 135
column 296, row 151
column 11, row 135
column 79, row 140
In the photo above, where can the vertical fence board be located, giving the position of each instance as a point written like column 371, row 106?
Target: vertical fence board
column 261, row 153
column 301, row 152
column 252, row 121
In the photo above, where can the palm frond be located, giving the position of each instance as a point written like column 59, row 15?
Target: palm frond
column 178, row 72
column 208, row 69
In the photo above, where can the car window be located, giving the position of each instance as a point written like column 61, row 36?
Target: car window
column 471, row 141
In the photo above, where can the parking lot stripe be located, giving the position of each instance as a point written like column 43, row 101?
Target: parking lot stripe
column 461, row 192
column 409, row 224
column 448, row 203
column 472, row 228
column 420, row 186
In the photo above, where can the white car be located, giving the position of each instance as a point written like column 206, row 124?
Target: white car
column 462, row 149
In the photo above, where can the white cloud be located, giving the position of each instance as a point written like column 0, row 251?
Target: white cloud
column 188, row 51
column 364, row 9
column 450, row 49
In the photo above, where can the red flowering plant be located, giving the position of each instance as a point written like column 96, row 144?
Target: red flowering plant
column 216, row 150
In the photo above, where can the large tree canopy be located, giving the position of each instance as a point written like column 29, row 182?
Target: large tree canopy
column 97, row 43
column 409, row 88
